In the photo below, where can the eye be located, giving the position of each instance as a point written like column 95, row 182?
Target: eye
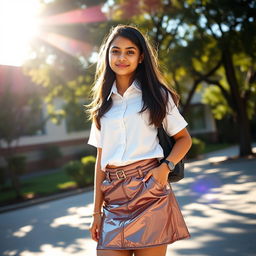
column 114, row 51
column 130, row 52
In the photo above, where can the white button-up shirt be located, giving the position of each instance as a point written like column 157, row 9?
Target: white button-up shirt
column 126, row 136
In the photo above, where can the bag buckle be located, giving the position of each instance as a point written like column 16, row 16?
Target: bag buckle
column 122, row 174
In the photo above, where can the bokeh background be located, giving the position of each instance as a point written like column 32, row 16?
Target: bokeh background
column 48, row 56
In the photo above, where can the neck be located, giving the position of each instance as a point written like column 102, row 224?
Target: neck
column 123, row 82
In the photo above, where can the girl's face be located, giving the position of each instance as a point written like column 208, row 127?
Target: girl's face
column 124, row 56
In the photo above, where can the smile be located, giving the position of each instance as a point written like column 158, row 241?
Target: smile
column 122, row 65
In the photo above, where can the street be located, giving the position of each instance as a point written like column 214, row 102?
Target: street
column 217, row 200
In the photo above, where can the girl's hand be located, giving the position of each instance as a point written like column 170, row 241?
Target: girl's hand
column 160, row 173
column 95, row 227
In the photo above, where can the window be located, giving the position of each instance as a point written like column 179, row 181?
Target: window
column 34, row 121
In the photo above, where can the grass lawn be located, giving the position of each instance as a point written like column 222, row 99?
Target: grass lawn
column 214, row 147
column 43, row 185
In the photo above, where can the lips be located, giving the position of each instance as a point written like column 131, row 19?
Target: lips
column 122, row 65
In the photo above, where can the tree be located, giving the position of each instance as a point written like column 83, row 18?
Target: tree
column 63, row 73
column 209, row 41
column 18, row 116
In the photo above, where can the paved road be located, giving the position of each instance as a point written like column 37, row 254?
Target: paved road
column 217, row 200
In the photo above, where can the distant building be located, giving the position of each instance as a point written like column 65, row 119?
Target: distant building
column 200, row 120
column 69, row 137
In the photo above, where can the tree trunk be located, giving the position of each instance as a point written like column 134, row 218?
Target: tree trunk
column 244, row 133
column 12, row 174
column 240, row 108
column 15, row 182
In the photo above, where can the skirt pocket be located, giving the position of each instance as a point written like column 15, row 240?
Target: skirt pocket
column 158, row 183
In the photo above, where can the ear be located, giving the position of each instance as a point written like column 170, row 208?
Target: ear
column 141, row 58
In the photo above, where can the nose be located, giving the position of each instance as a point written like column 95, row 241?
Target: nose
column 121, row 56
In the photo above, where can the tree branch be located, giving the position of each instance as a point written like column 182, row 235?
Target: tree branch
column 223, row 90
column 190, row 95
column 201, row 77
column 210, row 73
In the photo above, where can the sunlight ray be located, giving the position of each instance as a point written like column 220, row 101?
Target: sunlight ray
column 88, row 15
column 68, row 45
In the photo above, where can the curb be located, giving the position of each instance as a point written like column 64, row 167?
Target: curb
column 45, row 199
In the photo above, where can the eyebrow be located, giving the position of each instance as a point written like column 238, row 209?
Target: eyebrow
column 131, row 47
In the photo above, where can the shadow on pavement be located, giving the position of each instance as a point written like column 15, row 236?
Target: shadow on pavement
column 217, row 202
column 55, row 228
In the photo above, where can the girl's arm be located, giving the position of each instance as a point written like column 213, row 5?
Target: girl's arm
column 98, row 178
column 182, row 144
column 98, row 198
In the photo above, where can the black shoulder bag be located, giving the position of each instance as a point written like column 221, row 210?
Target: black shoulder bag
column 167, row 144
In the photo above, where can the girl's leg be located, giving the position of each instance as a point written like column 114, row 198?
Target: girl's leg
column 114, row 253
column 158, row 250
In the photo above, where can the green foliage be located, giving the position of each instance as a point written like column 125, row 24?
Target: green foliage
column 197, row 148
column 192, row 35
column 210, row 41
column 89, row 167
column 213, row 96
column 82, row 172
column 76, row 171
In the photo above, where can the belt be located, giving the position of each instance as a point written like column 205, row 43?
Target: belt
column 136, row 169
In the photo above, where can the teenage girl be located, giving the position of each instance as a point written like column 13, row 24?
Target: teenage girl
column 135, row 209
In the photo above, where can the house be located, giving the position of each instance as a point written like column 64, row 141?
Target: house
column 71, row 140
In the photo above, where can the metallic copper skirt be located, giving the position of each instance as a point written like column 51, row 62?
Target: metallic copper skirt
column 139, row 214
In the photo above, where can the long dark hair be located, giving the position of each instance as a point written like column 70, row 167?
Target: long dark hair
column 153, row 85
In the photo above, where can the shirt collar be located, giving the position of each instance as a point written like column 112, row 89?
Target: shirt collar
column 135, row 84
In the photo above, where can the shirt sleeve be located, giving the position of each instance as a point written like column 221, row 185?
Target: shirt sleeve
column 95, row 136
column 173, row 121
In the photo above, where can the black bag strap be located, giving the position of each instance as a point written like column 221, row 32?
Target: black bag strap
column 167, row 142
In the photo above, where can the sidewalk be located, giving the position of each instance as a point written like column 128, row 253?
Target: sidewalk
column 217, row 200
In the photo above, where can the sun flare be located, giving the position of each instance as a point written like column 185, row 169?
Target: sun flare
column 18, row 26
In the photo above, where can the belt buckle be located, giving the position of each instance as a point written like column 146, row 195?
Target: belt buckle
column 123, row 176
